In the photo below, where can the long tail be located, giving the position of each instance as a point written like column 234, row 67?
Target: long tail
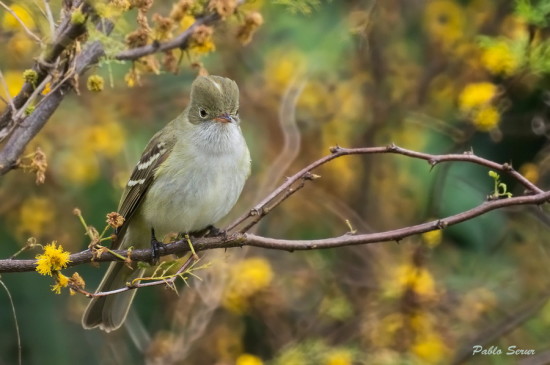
column 109, row 312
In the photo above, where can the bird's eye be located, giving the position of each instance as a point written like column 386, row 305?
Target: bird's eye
column 203, row 113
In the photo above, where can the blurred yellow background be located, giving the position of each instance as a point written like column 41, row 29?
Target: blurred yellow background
column 437, row 76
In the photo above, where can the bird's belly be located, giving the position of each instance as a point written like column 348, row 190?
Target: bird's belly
column 191, row 200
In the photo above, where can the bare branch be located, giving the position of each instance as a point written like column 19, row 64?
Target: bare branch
column 49, row 16
column 536, row 197
column 433, row 160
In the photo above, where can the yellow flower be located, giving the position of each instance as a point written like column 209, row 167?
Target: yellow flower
column 79, row 167
column 61, row 281
column 247, row 359
column 485, row 119
column 35, row 215
column 10, row 23
column 53, row 259
column 530, row 171
column 20, row 45
column 15, row 82
column 444, row 21
column 201, row 40
column 187, row 21
column 282, row 67
column 476, row 95
column 339, row 357
column 47, row 88
column 430, row 348
column 95, row 83
column 500, row 59
column 247, row 278
column 432, row 238
column 106, row 138
column 417, row 279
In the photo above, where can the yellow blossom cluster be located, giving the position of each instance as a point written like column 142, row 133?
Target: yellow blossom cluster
column 432, row 238
column 415, row 278
column 248, row 359
column 247, row 278
column 476, row 102
column 444, row 21
column 81, row 163
column 339, row 357
column 53, row 259
column 35, row 216
column 19, row 45
column 500, row 59
column 10, row 23
column 427, row 345
column 530, row 171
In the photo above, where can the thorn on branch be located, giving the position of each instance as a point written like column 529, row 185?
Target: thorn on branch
column 441, row 224
column 335, row 149
column 507, row 167
column 391, row 147
column 311, row 176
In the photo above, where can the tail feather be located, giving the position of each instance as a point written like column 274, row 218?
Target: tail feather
column 109, row 312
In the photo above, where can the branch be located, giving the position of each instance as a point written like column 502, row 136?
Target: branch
column 29, row 127
column 67, row 33
column 535, row 196
column 23, row 131
column 178, row 42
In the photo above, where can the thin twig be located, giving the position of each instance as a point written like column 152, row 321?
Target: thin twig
column 49, row 16
column 19, row 348
column 188, row 264
column 393, row 149
column 27, row 30
column 32, row 97
column 536, row 197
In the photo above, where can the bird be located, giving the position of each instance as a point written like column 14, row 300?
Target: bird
column 189, row 176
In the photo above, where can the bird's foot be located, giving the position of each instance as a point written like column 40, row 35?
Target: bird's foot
column 156, row 247
column 212, row 231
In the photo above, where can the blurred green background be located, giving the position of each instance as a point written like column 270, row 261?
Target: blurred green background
column 438, row 76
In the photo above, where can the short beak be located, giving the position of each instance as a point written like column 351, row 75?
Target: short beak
column 224, row 118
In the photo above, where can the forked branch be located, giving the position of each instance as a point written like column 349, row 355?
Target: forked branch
column 237, row 237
